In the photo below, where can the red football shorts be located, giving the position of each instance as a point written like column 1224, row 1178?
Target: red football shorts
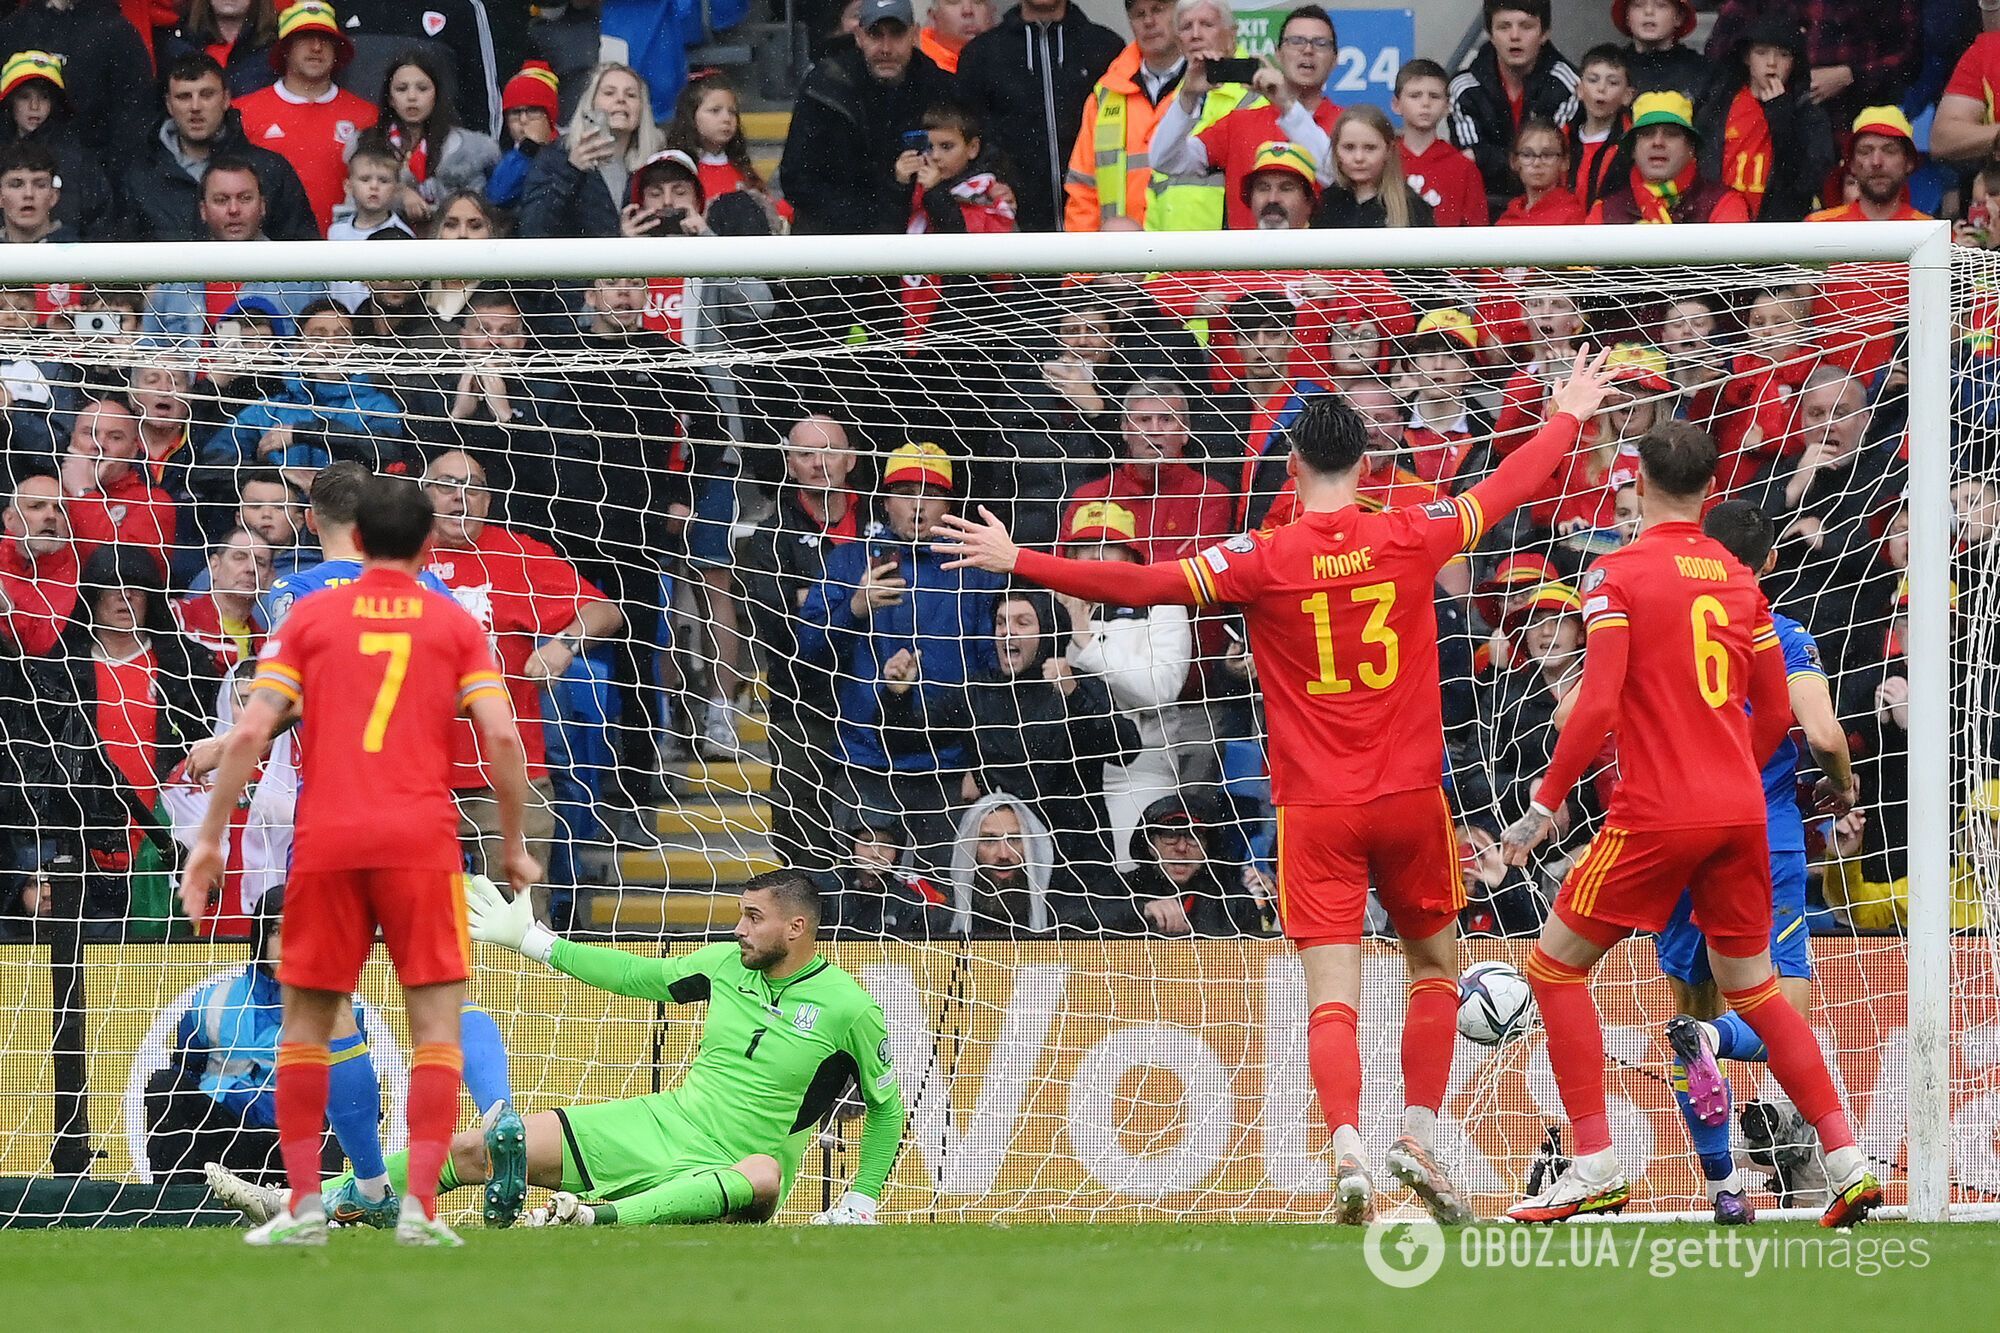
column 1403, row 843
column 331, row 916
column 1633, row 878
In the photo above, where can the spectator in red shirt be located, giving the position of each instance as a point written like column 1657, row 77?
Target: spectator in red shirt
column 1658, row 59
column 110, row 499
column 1440, row 174
column 1603, row 115
column 38, row 566
column 1177, row 509
column 1541, row 161
column 1762, row 133
column 1293, row 108
column 1666, row 184
column 1964, row 129
column 1865, row 303
column 223, row 619
column 540, row 614
column 304, row 117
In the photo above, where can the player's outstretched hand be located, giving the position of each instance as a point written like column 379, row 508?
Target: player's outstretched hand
column 199, row 879
column 852, row 1210
column 1586, row 388
column 986, row 545
column 1525, row 834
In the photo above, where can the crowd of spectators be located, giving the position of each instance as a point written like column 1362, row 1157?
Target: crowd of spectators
column 650, row 516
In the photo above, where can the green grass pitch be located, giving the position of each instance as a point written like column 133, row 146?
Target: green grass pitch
column 948, row 1277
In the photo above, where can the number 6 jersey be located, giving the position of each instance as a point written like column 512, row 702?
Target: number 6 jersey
column 1685, row 629
column 381, row 668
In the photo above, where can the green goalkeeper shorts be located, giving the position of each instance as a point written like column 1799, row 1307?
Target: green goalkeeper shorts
column 613, row 1150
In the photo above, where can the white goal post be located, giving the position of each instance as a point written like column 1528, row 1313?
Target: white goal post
column 1924, row 246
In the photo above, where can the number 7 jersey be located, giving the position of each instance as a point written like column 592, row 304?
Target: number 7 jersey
column 381, row 668
column 1343, row 633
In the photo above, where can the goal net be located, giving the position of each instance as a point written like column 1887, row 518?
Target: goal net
column 686, row 499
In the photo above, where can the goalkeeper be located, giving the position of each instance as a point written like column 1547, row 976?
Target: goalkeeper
column 786, row 1032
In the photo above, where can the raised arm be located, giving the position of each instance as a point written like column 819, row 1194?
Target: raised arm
column 1529, row 468
column 987, row 545
column 493, row 918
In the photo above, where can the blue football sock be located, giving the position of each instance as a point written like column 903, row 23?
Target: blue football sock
column 354, row 1106
column 1711, row 1142
column 1735, row 1040
column 485, row 1058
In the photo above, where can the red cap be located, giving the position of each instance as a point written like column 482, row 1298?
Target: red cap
column 534, row 86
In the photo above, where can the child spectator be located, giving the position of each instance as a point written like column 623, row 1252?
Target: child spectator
column 39, row 115
column 708, row 126
column 269, row 508
column 1554, row 323
column 1753, row 414
column 1695, row 362
column 1580, row 502
column 1604, row 113
column 439, row 155
column 529, row 103
column 952, row 196
column 1763, row 134
column 1542, row 162
column 1439, row 173
column 1438, row 382
column 373, row 190
column 1368, row 189
column 1658, row 60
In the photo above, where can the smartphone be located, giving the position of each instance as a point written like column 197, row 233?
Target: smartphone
column 597, row 120
column 1230, row 69
column 916, row 141
column 102, row 323
column 670, row 220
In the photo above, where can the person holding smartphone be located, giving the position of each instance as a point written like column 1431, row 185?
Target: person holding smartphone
column 580, row 183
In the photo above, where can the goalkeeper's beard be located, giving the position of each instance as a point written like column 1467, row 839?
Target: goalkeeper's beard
column 758, row 960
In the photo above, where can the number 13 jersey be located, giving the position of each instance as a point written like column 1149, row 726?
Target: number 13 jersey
column 1343, row 634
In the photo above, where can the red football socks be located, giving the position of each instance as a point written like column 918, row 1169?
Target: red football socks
column 1576, row 1046
column 433, row 1108
column 1796, row 1061
column 301, row 1096
column 1333, row 1053
column 1430, row 1025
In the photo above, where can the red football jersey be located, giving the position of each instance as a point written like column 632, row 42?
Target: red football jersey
column 1695, row 617
column 382, row 667
column 1343, row 629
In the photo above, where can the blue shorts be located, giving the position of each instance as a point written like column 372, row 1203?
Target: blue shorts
column 1684, row 953
column 714, row 517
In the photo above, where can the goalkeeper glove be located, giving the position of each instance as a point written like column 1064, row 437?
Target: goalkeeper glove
column 562, row 1210
column 493, row 917
column 852, row 1210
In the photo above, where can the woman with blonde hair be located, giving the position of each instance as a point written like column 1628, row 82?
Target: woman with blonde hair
column 578, row 184
column 1367, row 189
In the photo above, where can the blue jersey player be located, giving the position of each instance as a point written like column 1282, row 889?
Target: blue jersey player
column 354, row 1094
column 1702, row 1032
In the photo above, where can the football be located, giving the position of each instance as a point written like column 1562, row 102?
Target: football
column 1494, row 1003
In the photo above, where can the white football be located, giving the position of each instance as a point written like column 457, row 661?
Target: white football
column 1495, row 1004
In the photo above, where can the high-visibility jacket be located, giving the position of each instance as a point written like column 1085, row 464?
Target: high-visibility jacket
column 1110, row 171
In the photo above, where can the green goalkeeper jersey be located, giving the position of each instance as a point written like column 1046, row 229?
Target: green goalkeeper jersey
column 774, row 1055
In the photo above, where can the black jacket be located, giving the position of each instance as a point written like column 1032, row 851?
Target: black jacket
column 1679, row 68
column 454, row 33
column 107, row 71
column 163, row 203
column 839, row 166
column 1028, row 84
column 87, row 207
column 247, row 69
column 559, row 200
column 1338, row 208
column 1802, row 146
column 1482, row 120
